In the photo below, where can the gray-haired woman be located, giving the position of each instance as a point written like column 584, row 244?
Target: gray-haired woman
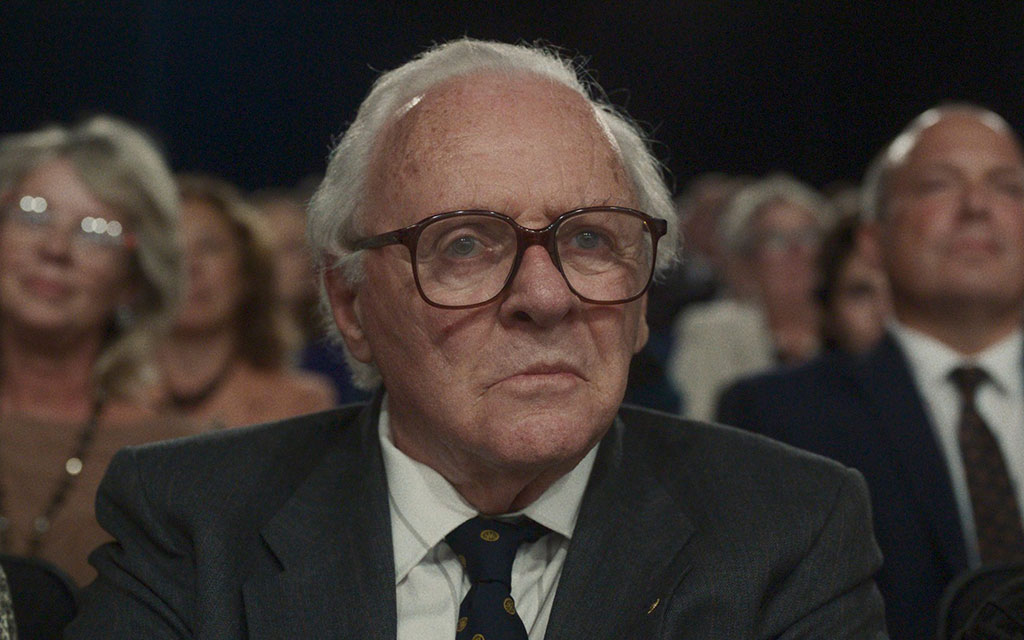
column 89, row 274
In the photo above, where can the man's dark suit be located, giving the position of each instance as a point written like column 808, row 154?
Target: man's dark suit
column 282, row 531
column 867, row 414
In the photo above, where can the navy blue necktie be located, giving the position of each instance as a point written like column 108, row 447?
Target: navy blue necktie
column 487, row 548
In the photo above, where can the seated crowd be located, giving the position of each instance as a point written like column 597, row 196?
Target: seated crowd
column 139, row 306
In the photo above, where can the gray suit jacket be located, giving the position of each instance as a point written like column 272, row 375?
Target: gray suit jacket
column 282, row 531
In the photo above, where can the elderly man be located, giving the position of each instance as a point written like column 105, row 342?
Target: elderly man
column 485, row 258
column 946, row 200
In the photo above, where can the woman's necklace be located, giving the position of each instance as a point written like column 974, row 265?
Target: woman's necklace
column 191, row 400
column 72, row 468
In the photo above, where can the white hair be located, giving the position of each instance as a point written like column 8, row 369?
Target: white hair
column 875, row 185
column 335, row 212
column 735, row 227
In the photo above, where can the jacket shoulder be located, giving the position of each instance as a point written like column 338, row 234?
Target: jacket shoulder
column 719, row 456
column 234, row 469
column 826, row 369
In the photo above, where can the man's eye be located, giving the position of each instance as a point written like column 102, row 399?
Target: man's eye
column 932, row 185
column 1013, row 189
column 589, row 240
column 463, row 247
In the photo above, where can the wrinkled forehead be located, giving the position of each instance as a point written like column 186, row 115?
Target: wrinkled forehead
column 497, row 120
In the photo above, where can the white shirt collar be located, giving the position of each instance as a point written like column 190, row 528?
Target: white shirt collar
column 425, row 507
column 932, row 360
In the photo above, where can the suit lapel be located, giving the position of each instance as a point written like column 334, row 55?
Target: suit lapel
column 901, row 416
column 333, row 542
column 624, row 560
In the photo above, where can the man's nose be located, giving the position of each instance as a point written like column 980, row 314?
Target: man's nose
column 977, row 198
column 538, row 291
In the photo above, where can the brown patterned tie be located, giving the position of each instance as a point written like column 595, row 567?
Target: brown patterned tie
column 996, row 513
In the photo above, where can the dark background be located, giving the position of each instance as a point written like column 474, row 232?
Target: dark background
column 256, row 90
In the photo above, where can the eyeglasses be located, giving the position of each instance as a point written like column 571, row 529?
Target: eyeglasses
column 467, row 259
column 783, row 241
column 33, row 217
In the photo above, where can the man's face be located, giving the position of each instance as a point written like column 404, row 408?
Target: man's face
column 953, row 232
column 532, row 380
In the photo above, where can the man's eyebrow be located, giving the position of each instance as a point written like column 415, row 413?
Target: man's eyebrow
column 1014, row 170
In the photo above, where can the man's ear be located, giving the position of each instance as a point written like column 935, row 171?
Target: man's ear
column 344, row 299
column 643, row 332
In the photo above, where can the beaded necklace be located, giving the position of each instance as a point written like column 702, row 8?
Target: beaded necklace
column 72, row 468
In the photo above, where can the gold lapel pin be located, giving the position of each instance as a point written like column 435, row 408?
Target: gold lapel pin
column 654, row 605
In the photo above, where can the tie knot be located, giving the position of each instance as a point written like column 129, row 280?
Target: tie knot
column 487, row 547
column 967, row 379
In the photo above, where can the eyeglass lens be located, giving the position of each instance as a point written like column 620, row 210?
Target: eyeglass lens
column 605, row 256
column 783, row 241
column 31, row 214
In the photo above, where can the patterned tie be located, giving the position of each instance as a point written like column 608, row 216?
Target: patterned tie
column 996, row 513
column 486, row 548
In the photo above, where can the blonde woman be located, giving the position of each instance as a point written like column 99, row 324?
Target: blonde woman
column 89, row 274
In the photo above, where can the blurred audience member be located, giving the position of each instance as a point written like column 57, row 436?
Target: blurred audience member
column 770, row 232
column 89, row 271
column 8, row 628
column 845, row 198
column 700, row 209
column 693, row 279
column 285, row 217
column 932, row 416
column 854, row 292
column 226, row 359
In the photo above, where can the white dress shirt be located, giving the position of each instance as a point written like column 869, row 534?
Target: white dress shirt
column 429, row 581
column 1000, row 402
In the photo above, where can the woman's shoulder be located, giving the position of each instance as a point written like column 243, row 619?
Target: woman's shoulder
column 140, row 420
column 291, row 381
column 709, row 323
column 726, row 310
column 296, row 391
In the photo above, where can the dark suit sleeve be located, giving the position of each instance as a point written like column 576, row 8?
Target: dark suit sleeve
column 830, row 592
column 726, row 409
column 145, row 587
column 737, row 406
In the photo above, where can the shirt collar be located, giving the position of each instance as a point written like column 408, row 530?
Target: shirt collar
column 425, row 507
column 932, row 360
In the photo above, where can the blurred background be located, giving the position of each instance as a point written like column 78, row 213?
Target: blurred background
column 256, row 91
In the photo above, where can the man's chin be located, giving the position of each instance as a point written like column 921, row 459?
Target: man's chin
column 550, row 437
